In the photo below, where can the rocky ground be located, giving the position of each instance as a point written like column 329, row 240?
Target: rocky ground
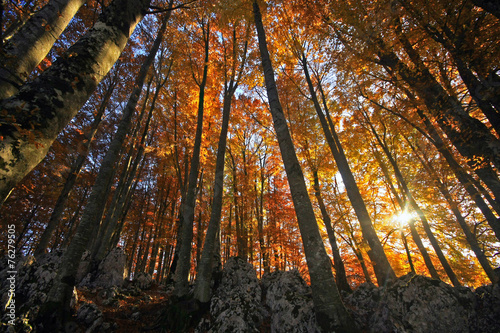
column 279, row 302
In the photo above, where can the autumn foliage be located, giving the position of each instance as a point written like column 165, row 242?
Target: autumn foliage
column 373, row 60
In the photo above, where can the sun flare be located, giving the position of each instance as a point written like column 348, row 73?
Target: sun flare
column 403, row 218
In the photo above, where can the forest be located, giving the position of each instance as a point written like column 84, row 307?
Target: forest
column 354, row 141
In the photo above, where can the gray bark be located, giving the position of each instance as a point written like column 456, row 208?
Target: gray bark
column 340, row 276
column 330, row 311
column 33, row 117
column 29, row 46
column 206, row 264
column 56, row 215
column 60, row 294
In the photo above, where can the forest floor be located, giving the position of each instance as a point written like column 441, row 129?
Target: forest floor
column 131, row 313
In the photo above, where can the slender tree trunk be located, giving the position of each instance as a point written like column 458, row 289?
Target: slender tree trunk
column 469, row 135
column 186, row 233
column 55, row 217
column 60, row 294
column 340, row 276
column 381, row 265
column 34, row 116
column 205, row 267
column 29, row 46
column 471, row 238
column 330, row 311
column 465, row 179
column 414, row 233
column 416, row 208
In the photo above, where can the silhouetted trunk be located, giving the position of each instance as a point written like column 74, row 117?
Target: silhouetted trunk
column 186, row 232
column 414, row 233
column 330, row 311
column 416, row 208
column 381, row 265
column 338, row 263
column 471, row 237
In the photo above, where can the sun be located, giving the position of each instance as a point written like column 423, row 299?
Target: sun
column 403, row 218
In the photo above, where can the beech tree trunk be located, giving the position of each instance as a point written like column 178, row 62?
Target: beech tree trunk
column 60, row 294
column 381, row 265
column 181, row 282
column 204, row 271
column 469, row 235
column 330, row 311
column 425, row 223
column 338, row 263
column 55, row 217
column 414, row 233
column 29, row 46
column 33, row 117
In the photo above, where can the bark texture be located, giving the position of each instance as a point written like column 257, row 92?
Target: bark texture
column 29, row 46
column 32, row 118
column 330, row 311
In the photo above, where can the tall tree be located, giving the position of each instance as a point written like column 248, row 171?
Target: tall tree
column 32, row 118
column 382, row 267
column 188, row 208
column 231, row 81
column 330, row 311
column 29, row 46
column 60, row 293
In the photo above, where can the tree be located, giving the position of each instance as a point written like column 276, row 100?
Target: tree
column 60, row 293
column 330, row 311
column 32, row 118
column 231, row 81
column 186, row 233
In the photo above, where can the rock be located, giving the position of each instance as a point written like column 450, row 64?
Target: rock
column 111, row 271
column 33, row 281
column 144, row 281
column 91, row 317
column 413, row 303
column 88, row 314
column 487, row 309
column 236, row 305
column 290, row 302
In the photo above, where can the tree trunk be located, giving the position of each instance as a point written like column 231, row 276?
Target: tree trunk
column 186, row 233
column 338, row 263
column 416, row 208
column 29, row 46
column 470, row 136
column 206, row 264
column 34, row 116
column 381, row 265
column 60, row 294
column 330, row 311
column 414, row 233
column 471, row 238
column 56, row 215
